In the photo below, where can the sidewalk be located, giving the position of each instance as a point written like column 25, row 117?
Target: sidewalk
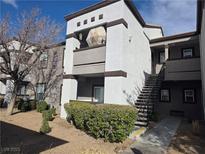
column 156, row 140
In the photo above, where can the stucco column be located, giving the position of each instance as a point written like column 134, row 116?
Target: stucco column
column 70, row 84
column 113, row 86
column 166, row 52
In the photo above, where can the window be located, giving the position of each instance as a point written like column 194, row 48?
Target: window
column 40, row 90
column 187, row 53
column 55, row 60
column 92, row 19
column 161, row 57
column 21, row 90
column 44, row 60
column 78, row 24
column 189, row 95
column 85, row 22
column 165, row 95
column 100, row 16
column 98, row 94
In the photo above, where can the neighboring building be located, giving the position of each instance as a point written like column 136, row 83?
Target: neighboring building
column 44, row 82
column 113, row 56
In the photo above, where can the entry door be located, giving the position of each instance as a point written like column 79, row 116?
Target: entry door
column 98, row 94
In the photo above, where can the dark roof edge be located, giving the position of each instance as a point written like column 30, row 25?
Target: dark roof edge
column 135, row 12
column 89, row 9
column 173, row 37
column 104, row 3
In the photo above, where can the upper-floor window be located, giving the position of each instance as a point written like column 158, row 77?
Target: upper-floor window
column 78, row 24
column 189, row 95
column 44, row 60
column 55, row 60
column 161, row 57
column 165, row 95
column 85, row 22
column 100, row 16
column 187, row 53
column 92, row 19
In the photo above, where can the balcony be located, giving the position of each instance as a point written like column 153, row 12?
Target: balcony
column 183, row 69
column 89, row 60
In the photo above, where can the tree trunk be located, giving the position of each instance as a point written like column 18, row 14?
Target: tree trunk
column 12, row 102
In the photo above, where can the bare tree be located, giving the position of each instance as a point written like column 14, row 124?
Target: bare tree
column 50, row 76
column 21, row 45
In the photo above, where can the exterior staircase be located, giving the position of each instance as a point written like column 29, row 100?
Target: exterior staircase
column 145, row 101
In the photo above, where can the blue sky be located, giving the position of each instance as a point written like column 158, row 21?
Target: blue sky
column 175, row 16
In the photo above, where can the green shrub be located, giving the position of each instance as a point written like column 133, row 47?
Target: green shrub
column 53, row 111
column 24, row 106
column 47, row 115
column 33, row 104
column 42, row 106
column 45, row 128
column 111, row 122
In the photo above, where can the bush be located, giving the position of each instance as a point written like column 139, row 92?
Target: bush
column 53, row 111
column 33, row 104
column 47, row 115
column 45, row 128
column 24, row 106
column 111, row 122
column 42, row 106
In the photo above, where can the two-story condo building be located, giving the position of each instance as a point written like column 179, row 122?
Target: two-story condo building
column 112, row 56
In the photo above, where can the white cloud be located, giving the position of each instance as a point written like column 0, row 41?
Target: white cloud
column 175, row 16
column 11, row 2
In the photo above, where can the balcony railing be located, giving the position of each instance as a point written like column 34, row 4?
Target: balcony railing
column 89, row 60
column 183, row 69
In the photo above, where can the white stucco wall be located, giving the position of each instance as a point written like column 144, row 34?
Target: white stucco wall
column 69, row 88
column 202, row 46
column 127, row 50
column 153, row 33
column 110, row 13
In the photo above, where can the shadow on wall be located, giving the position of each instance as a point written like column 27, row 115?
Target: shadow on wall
column 131, row 96
column 16, row 139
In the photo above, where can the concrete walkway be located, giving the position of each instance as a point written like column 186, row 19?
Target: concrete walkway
column 156, row 140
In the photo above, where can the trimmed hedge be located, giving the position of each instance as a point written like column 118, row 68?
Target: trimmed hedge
column 111, row 122
column 42, row 106
column 47, row 115
column 45, row 128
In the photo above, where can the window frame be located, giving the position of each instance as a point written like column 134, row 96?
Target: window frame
column 40, row 93
column 182, row 52
column 19, row 90
column 85, row 21
column 92, row 19
column 194, row 96
column 100, row 16
column 78, row 24
column 168, row 101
